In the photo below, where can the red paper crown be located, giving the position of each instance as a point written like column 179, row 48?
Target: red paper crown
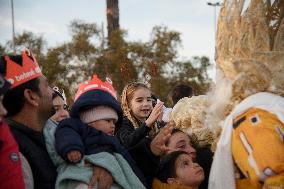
column 96, row 83
column 18, row 74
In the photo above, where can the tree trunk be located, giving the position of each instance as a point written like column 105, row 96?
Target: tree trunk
column 112, row 16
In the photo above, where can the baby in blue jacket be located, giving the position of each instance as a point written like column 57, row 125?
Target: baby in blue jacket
column 91, row 126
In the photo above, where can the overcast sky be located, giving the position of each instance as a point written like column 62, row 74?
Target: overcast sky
column 194, row 19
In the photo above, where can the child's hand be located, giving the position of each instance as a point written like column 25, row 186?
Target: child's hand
column 155, row 114
column 74, row 156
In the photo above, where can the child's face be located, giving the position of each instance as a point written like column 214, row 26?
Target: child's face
column 187, row 172
column 141, row 104
column 106, row 126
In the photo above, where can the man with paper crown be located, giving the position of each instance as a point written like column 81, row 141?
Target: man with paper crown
column 87, row 139
column 250, row 53
column 29, row 105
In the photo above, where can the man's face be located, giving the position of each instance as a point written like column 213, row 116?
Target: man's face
column 45, row 102
column 180, row 142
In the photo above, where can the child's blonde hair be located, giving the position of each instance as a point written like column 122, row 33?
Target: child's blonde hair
column 126, row 97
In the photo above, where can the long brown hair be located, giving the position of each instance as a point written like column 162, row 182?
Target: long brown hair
column 126, row 97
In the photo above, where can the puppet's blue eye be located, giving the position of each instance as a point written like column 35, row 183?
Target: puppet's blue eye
column 255, row 119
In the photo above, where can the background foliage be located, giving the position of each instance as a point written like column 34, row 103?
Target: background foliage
column 155, row 62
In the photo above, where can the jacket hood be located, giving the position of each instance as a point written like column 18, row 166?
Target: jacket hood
column 95, row 98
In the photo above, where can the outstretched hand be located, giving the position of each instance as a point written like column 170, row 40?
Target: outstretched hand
column 158, row 146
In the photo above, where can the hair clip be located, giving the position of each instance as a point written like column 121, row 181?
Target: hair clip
column 62, row 93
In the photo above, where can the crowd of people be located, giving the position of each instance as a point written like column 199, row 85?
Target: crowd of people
column 230, row 138
column 101, row 141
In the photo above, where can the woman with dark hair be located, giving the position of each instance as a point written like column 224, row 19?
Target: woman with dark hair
column 59, row 105
column 60, row 112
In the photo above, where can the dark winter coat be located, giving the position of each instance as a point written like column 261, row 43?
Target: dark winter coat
column 137, row 141
column 145, row 159
column 129, row 136
column 32, row 146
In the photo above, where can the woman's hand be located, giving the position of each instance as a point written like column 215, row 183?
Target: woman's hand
column 102, row 177
column 158, row 144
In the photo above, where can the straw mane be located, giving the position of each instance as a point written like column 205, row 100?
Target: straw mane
column 250, row 39
column 249, row 54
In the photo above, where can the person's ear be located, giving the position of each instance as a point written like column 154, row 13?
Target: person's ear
column 173, row 181
column 31, row 97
